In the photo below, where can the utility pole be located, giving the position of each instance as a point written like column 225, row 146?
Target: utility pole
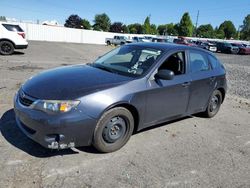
column 196, row 24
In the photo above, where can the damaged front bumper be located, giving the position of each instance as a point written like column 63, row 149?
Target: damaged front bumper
column 60, row 131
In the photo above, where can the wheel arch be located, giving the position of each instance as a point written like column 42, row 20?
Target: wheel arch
column 129, row 107
column 5, row 39
column 223, row 93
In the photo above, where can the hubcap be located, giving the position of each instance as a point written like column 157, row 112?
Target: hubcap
column 114, row 129
column 214, row 103
column 6, row 48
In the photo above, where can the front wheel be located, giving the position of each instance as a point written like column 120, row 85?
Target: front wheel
column 213, row 104
column 6, row 48
column 113, row 130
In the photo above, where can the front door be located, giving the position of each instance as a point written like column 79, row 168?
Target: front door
column 168, row 98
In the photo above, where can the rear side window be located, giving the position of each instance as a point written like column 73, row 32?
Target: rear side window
column 198, row 62
column 213, row 61
column 15, row 28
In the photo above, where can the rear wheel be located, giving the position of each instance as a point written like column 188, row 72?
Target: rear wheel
column 108, row 43
column 6, row 48
column 113, row 130
column 214, row 104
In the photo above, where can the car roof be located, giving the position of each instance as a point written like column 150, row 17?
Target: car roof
column 8, row 23
column 168, row 46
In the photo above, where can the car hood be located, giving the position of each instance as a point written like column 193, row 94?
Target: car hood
column 71, row 82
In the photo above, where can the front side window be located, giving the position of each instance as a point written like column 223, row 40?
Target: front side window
column 175, row 63
column 198, row 62
column 131, row 61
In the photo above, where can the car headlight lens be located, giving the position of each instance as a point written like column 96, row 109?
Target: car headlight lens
column 55, row 105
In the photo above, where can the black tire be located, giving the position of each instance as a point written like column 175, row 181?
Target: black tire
column 104, row 139
column 214, row 104
column 6, row 48
column 122, row 43
column 108, row 43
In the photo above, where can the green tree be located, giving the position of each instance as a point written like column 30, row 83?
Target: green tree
column 245, row 28
column 162, row 29
column 125, row 29
column 177, row 28
column 2, row 18
column 132, row 29
column 205, row 31
column 219, row 33
column 186, row 25
column 172, row 29
column 229, row 29
column 86, row 24
column 153, row 29
column 147, row 26
column 73, row 21
column 135, row 28
column 116, row 27
column 102, row 22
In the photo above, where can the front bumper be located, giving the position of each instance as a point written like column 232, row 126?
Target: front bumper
column 72, row 129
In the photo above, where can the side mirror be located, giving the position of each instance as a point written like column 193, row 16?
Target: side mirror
column 165, row 74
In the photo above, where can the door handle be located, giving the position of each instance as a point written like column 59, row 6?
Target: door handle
column 186, row 84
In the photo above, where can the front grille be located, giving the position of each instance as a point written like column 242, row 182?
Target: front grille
column 25, row 99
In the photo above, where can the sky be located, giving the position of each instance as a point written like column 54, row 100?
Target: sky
column 212, row 12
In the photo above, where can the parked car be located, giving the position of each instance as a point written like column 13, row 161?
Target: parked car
column 243, row 49
column 207, row 46
column 12, row 37
column 117, row 40
column 140, row 39
column 157, row 39
column 184, row 42
column 148, row 38
column 133, row 87
column 225, row 47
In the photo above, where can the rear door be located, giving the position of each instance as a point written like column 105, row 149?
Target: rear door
column 202, row 83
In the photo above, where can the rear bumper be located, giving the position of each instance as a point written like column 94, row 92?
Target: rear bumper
column 21, row 46
column 72, row 129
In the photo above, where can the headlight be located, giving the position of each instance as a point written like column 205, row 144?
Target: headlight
column 55, row 105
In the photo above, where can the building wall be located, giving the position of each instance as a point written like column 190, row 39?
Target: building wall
column 63, row 34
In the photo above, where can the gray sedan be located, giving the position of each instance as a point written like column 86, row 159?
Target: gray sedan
column 133, row 87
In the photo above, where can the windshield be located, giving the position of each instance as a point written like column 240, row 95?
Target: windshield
column 131, row 61
column 228, row 44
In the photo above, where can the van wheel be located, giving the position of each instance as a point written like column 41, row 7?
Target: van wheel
column 113, row 130
column 6, row 48
column 214, row 104
column 108, row 43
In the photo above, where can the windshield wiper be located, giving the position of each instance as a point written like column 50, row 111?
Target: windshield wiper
column 103, row 68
